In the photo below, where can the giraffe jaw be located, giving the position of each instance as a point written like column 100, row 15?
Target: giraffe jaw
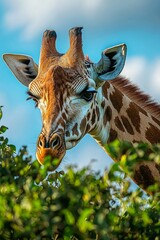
column 70, row 144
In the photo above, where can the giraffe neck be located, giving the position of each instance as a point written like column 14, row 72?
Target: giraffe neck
column 123, row 118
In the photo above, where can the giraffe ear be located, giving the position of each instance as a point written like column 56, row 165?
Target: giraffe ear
column 111, row 62
column 23, row 67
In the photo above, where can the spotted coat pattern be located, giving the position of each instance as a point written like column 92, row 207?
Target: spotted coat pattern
column 131, row 119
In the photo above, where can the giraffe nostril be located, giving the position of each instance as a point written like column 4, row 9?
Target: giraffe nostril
column 40, row 143
column 55, row 142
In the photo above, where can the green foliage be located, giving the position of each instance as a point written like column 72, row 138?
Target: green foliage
column 128, row 155
column 77, row 204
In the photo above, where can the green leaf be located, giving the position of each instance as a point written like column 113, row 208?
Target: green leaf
column 12, row 147
column 3, row 129
column 83, row 222
column 80, row 204
column 69, row 217
column 1, row 114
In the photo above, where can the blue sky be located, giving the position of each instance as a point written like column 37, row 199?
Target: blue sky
column 106, row 23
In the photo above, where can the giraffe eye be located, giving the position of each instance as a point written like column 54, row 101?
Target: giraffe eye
column 88, row 65
column 88, row 94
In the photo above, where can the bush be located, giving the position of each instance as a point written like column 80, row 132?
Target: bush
column 77, row 204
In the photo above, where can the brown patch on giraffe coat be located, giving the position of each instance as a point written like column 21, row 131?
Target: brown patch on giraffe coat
column 97, row 113
column 93, row 116
column 66, row 111
column 75, row 129
column 61, row 122
column 127, row 125
column 153, row 134
column 103, row 104
column 67, row 134
column 92, row 105
column 107, row 115
column 87, row 128
column 117, row 100
column 133, row 114
column 88, row 116
column 83, row 125
column 118, row 124
column 156, row 120
column 105, row 88
column 144, row 177
column 138, row 178
column 112, row 135
column 141, row 110
column 64, row 115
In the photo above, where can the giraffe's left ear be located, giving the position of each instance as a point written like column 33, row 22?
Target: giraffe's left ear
column 23, row 67
column 111, row 63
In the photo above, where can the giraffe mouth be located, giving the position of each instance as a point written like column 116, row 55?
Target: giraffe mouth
column 51, row 155
column 54, row 156
column 45, row 155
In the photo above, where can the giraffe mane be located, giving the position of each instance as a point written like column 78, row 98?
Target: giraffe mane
column 134, row 93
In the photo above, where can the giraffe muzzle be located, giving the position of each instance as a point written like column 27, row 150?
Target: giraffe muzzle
column 51, row 148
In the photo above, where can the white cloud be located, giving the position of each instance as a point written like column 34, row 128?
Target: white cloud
column 33, row 16
column 156, row 78
column 145, row 74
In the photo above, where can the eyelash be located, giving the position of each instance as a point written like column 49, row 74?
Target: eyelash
column 87, row 95
column 88, row 64
column 32, row 97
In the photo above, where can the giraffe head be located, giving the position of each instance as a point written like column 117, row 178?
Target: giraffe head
column 66, row 88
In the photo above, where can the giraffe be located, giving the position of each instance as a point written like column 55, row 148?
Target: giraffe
column 76, row 97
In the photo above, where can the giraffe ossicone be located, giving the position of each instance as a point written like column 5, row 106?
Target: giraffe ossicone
column 76, row 97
